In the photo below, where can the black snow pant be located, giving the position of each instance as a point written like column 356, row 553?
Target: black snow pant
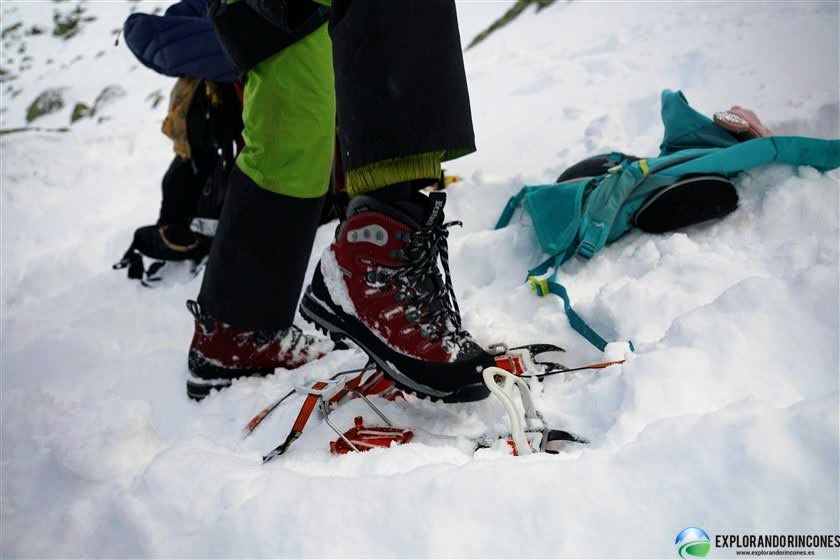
column 400, row 84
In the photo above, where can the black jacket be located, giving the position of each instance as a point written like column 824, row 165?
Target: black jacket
column 253, row 30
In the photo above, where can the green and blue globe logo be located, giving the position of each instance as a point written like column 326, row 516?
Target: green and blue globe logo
column 693, row 542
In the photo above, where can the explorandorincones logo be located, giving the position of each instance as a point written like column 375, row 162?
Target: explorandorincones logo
column 693, row 542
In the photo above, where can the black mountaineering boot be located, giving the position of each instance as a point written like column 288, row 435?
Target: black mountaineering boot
column 247, row 301
column 379, row 284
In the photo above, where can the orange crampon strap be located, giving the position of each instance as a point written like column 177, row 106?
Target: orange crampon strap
column 315, row 394
column 376, row 384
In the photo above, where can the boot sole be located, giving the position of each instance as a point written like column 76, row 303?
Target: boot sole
column 318, row 314
column 687, row 202
column 205, row 376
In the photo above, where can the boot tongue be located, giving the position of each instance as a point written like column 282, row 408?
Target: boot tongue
column 425, row 210
column 434, row 212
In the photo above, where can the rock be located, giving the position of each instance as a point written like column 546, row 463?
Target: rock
column 107, row 96
column 50, row 101
column 80, row 111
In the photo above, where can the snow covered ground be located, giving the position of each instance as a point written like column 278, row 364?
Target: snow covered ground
column 726, row 416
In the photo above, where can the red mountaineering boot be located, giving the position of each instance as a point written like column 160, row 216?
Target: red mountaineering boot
column 379, row 284
column 220, row 353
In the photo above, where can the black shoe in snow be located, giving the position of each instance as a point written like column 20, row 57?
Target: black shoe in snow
column 162, row 251
column 691, row 200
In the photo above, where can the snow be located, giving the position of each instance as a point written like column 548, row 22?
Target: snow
column 335, row 283
column 725, row 417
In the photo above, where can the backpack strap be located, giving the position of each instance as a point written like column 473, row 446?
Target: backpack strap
column 604, row 203
column 605, row 217
column 545, row 286
column 542, row 286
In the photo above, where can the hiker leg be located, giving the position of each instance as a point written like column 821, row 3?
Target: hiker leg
column 180, row 189
column 403, row 107
column 246, row 306
column 276, row 191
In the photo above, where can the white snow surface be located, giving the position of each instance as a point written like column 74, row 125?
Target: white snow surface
column 725, row 417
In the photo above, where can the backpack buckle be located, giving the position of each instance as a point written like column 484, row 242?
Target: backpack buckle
column 539, row 285
column 592, row 240
column 585, row 250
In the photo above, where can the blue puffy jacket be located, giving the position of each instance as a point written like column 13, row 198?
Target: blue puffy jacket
column 181, row 42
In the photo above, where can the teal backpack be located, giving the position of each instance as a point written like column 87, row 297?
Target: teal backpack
column 580, row 217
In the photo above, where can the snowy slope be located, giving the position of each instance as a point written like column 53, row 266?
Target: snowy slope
column 726, row 416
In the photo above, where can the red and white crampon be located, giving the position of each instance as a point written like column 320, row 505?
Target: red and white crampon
column 529, row 432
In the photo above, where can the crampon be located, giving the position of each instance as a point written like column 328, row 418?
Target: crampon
column 515, row 367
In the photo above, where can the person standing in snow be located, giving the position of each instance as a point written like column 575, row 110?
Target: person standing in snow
column 204, row 122
column 394, row 77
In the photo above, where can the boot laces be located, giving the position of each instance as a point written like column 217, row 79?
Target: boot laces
column 431, row 299
column 290, row 339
